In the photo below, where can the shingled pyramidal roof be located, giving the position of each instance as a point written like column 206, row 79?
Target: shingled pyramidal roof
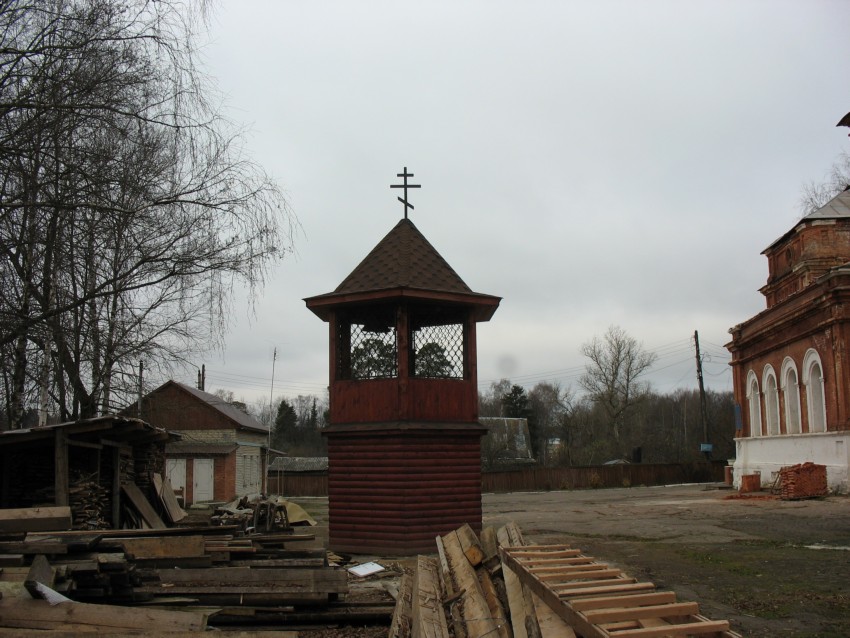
column 404, row 263
column 403, row 259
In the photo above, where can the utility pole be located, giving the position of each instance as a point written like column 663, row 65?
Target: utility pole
column 271, row 423
column 706, row 446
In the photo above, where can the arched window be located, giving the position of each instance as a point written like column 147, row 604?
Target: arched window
column 754, row 402
column 771, row 401
column 815, row 395
column 791, row 391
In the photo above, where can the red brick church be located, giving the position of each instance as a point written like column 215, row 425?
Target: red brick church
column 791, row 362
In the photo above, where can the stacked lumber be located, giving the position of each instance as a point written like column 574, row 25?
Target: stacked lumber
column 269, row 582
column 497, row 585
column 806, row 480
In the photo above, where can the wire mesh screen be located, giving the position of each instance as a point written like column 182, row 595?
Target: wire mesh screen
column 438, row 344
column 367, row 347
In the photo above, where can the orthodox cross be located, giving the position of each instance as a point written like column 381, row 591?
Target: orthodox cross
column 405, row 186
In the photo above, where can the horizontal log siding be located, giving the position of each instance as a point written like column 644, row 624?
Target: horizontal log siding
column 393, row 492
column 535, row 479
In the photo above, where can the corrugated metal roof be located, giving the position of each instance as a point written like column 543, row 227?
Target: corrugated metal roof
column 836, row 208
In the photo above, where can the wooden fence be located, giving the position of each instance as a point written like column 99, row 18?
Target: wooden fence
column 539, row 479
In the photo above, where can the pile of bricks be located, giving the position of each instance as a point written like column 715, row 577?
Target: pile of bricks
column 806, row 480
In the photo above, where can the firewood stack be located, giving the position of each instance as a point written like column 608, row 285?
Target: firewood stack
column 805, row 480
column 90, row 503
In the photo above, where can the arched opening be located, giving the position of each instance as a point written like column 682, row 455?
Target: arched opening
column 815, row 395
column 754, row 404
column 771, row 401
column 791, row 391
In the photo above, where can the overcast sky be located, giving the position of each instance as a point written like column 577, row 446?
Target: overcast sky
column 592, row 163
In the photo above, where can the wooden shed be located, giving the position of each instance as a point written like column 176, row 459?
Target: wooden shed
column 81, row 464
column 404, row 443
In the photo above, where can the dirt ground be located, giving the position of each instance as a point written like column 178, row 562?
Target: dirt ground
column 772, row 568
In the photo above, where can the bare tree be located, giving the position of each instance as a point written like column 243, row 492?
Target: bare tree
column 612, row 376
column 817, row 194
column 550, row 406
column 127, row 208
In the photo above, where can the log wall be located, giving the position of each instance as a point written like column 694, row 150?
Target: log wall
column 394, row 491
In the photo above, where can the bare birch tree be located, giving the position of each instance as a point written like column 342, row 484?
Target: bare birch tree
column 127, row 207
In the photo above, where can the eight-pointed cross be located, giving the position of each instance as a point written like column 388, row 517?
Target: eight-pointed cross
column 405, row 186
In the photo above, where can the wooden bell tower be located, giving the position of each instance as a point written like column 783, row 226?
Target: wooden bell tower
column 404, row 441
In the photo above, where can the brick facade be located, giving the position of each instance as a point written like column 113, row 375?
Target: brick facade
column 211, row 429
column 790, row 362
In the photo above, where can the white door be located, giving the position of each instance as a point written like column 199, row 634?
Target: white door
column 202, row 484
column 175, row 472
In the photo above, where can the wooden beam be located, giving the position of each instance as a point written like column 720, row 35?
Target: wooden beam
column 471, row 545
column 142, row 505
column 60, row 467
column 40, row 572
column 38, row 614
column 116, row 488
column 429, row 619
column 476, row 613
column 524, row 620
column 35, row 519
column 403, row 612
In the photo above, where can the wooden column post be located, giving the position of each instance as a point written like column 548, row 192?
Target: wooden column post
column 60, row 467
column 116, row 488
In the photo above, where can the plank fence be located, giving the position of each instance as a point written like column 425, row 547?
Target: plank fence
column 537, row 479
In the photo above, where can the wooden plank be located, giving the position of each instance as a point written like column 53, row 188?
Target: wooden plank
column 699, row 628
column 166, row 495
column 524, row 620
column 38, row 614
column 551, row 624
column 11, row 560
column 40, row 572
column 429, row 619
column 497, row 611
column 635, row 600
column 164, row 547
column 490, row 544
column 35, row 519
column 403, row 612
column 448, row 586
column 475, row 612
column 635, row 613
column 573, row 618
column 470, row 545
column 27, row 547
column 142, row 505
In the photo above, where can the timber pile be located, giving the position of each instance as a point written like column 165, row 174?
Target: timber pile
column 496, row 585
column 133, row 579
column 806, row 480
